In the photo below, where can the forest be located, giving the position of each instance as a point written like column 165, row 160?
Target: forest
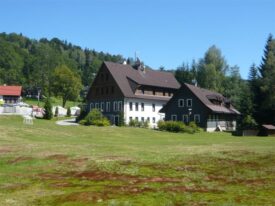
column 42, row 64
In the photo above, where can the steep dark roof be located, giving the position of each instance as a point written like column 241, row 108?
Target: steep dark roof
column 123, row 73
column 205, row 95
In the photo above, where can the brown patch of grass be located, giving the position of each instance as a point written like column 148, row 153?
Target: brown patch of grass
column 228, row 180
column 58, row 157
column 19, row 159
column 15, row 186
column 191, row 189
column 5, row 150
column 85, row 197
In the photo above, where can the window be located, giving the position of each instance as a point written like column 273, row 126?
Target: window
column 119, row 105
column 131, row 106
column 197, row 118
column 189, row 102
column 115, row 106
column 154, row 120
column 107, row 90
column 102, row 77
column 102, row 90
column 153, row 107
column 148, row 119
column 106, row 77
column 137, row 119
column 102, row 106
column 185, row 118
column 174, row 117
column 142, row 106
column 112, row 89
column 97, row 105
column 142, row 119
column 136, row 106
column 107, row 106
column 181, row 103
column 130, row 119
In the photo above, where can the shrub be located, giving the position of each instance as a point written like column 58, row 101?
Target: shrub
column 177, row 126
column 249, row 123
column 161, row 125
column 69, row 112
column 48, row 109
column 95, row 117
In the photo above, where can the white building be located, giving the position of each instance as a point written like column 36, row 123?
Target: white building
column 135, row 92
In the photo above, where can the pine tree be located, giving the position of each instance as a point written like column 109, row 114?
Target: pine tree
column 267, row 83
column 48, row 109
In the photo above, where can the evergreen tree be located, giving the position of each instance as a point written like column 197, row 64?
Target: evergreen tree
column 69, row 112
column 48, row 109
column 267, row 83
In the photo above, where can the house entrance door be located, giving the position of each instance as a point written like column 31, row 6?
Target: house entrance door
column 116, row 120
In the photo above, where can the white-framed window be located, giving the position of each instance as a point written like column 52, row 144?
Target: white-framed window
column 174, row 117
column 148, row 119
column 119, row 105
column 136, row 106
column 181, row 103
column 102, row 106
column 154, row 120
column 91, row 106
column 153, row 107
column 131, row 106
column 185, row 118
column 142, row 107
column 130, row 119
column 142, row 119
column 136, row 118
column 197, row 118
column 97, row 105
column 107, row 106
column 115, row 106
column 189, row 102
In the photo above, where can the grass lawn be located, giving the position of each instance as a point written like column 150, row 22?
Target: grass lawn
column 46, row 164
column 55, row 102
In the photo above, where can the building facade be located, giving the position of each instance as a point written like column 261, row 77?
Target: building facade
column 10, row 94
column 210, row 110
column 134, row 92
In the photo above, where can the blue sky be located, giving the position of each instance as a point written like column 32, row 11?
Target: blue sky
column 162, row 32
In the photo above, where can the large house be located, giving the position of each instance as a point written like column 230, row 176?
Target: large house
column 10, row 94
column 134, row 91
column 210, row 110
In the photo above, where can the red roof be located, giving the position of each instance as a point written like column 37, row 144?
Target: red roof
column 269, row 126
column 10, row 90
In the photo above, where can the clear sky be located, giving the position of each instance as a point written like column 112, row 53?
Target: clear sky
column 162, row 32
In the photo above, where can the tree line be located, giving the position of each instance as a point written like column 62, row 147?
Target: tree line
column 254, row 97
column 51, row 64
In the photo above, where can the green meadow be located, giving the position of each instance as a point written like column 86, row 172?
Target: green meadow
column 46, row 164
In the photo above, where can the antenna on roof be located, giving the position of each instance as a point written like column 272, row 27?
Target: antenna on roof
column 194, row 82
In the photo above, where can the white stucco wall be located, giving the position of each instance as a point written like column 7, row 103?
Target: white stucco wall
column 148, row 110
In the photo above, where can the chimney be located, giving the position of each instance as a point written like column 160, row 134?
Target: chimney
column 124, row 62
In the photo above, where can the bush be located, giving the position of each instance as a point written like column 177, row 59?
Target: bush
column 161, row 125
column 48, row 109
column 135, row 123
column 95, row 117
column 177, row 126
column 249, row 123
column 69, row 112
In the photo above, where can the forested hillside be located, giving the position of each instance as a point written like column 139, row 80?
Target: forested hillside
column 39, row 63
column 31, row 63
